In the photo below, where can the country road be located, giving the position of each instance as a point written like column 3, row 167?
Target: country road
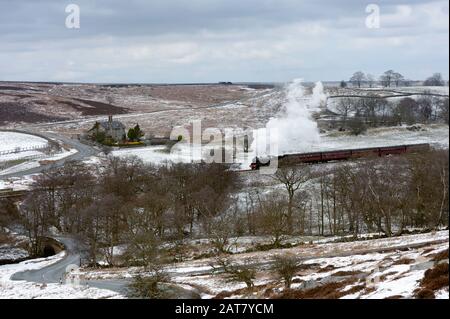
column 55, row 273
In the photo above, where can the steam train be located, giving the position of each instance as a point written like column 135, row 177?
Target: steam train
column 339, row 155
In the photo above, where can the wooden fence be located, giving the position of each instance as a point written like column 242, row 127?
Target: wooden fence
column 25, row 149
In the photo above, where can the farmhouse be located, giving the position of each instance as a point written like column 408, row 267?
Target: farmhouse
column 110, row 130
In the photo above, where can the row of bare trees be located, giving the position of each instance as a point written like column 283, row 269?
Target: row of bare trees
column 387, row 79
column 387, row 195
column 372, row 111
column 377, row 195
column 143, row 207
column 391, row 78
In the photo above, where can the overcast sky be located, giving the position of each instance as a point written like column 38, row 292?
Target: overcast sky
column 175, row 41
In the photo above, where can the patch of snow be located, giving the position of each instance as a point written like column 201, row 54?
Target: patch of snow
column 442, row 294
column 13, row 140
column 19, row 168
column 12, row 253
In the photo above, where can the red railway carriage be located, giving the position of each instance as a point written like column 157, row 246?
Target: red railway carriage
column 336, row 155
column 365, row 152
column 418, row 147
column 392, row 150
column 340, row 155
column 301, row 158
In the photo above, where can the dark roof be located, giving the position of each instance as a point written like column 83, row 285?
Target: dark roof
column 114, row 124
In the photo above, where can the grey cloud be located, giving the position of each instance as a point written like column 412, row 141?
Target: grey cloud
column 204, row 40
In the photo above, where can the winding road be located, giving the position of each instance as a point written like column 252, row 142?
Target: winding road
column 55, row 273
column 74, row 251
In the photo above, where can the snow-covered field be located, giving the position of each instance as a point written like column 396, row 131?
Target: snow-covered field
column 432, row 89
column 437, row 135
column 12, row 140
column 20, row 167
column 383, row 275
column 17, row 183
column 376, row 274
column 368, row 265
column 10, row 289
column 31, row 160
column 155, row 154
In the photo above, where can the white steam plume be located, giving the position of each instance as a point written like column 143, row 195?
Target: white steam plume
column 294, row 130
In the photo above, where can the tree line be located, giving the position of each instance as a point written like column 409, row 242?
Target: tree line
column 359, row 113
column 143, row 206
column 389, row 79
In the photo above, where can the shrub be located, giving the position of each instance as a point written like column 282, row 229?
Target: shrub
column 357, row 126
column 244, row 273
column 149, row 287
column 286, row 267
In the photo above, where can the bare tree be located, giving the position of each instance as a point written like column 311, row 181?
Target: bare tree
column 370, row 80
column 387, row 78
column 220, row 232
column 143, row 245
column 36, row 221
column 154, row 205
column 397, row 78
column 406, row 110
column 293, row 178
column 434, row 80
column 344, row 106
column 425, row 108
column 358, row 78
column 443, row 110
column 272, row 218
column 428, row 188
column 387, row 192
